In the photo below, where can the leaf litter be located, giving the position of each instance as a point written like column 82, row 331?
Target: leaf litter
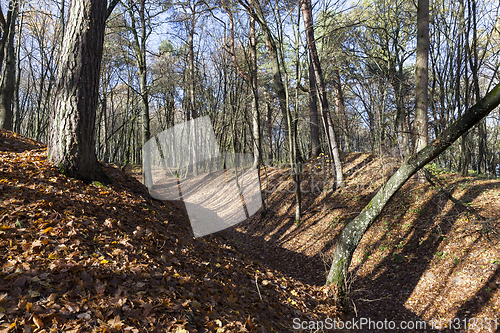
column 80, row 257
column 426, row 258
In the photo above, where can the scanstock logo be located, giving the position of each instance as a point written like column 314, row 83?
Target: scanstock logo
column 218, row 189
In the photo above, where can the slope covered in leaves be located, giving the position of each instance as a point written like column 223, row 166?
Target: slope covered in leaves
column 82, row 257
column 428, row 257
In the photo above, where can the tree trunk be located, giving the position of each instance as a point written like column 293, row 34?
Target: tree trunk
column 140, row 56
column 275, row 64
column 340, row 102
column 354, row 230
column 269, row 131
column 71, row 144
column 257, row 142
column 421, row 104
column 464, row 146
column 313, row 114
column 146, row 132
column 321, row 89
column 17, row 103
column 8, row 79
column 474, row 61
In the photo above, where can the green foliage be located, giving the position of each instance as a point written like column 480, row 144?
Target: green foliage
column 62, row 169
column 440, row 255
column 397, row 258
column 98, row 184
column 383, row 247
column 335, row 221
column 166, row 46
column 435, row 169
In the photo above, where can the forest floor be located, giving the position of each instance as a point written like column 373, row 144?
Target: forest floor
column 426, row 258
column 80, row 257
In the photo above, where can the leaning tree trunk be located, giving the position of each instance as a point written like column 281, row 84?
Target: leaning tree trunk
column 354, row 230
column 71, row 144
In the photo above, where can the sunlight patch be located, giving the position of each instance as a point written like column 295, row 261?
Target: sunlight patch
column 184, row 163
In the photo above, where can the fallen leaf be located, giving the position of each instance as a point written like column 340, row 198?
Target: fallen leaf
column 38, row 322
column 231, row 299
column 180, row 329
column 115, row 323
column 36, row 244
column 100, row 287
column 196, row 304
column 84, row 315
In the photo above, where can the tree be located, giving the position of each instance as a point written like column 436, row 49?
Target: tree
column 385, row 38
column 141, row 28
column 71, row 144
column 422, row 81
column 313, row 113
column 250, row 78
column 7, row 54
column 321, row 91
column 354, row 230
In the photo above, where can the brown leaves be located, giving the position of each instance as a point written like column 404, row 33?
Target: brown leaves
column 38, row 322
column 115, row 323
column 80, row 257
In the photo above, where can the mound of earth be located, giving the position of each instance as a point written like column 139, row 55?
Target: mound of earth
column 80, row 257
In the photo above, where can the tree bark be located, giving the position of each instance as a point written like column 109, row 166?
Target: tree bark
column 71, row 144
column 474, row 64
column 422, row 78
column 8, row 79
column 321, row 89
column 269, row 131
column 313, row 114
column 257, row 141
column 140, row 56
column 340, row 103
column 354, row 230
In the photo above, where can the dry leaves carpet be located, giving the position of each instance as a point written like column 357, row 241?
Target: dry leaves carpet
column 426, row 258
column 79, row 257
column 82, row 257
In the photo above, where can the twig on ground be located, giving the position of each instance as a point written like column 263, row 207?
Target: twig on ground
column 257, row 285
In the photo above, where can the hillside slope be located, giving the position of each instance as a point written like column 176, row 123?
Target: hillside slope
column 82, row 257
column 91, row 258
column 426, row 257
